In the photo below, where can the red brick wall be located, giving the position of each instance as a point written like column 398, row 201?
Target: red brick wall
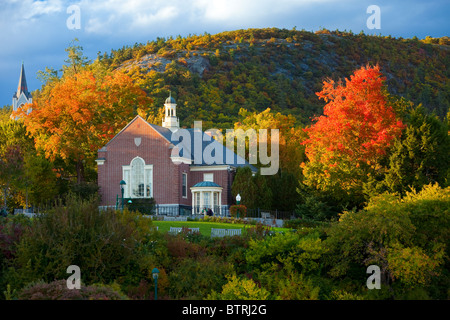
column 155, row 150
column 221, row 177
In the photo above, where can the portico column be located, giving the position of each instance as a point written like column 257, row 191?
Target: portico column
column 193, row 202
column 212, row 199
column 220, row 202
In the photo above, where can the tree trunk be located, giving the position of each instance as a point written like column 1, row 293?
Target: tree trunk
column 80, row 171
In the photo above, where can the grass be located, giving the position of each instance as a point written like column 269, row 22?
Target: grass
column 204, row 227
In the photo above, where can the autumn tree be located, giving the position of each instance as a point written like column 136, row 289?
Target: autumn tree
column 291, row 152
column 346, row 143
column 81, row 113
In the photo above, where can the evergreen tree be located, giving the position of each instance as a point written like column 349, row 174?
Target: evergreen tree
column 284, row 186
column 421, row 156
column 263, row 193
column 244, row 185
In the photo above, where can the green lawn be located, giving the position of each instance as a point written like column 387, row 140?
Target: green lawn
column 205, row 227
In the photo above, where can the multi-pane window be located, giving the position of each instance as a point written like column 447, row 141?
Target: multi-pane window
column 197, row 198
column 148, row 182
column 184, row 186
column 206, row 200
column 138, row 178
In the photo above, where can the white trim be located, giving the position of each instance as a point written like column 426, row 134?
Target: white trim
column 206, row 189
column 208, row 177
column 127, row 193
column 210, row 168
column 100, row 161
column 178, row 160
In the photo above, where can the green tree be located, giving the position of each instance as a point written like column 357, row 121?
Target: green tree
column 421, row 156
column 263, row 193
column 284, row 186
column 239, row 289
column 244, row 185
column 75, row 61
column 406, row 237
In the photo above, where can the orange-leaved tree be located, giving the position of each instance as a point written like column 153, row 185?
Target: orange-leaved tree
column 80, row 113
column 291, row 152
column 345, row 144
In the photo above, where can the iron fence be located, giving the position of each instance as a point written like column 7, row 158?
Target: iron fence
column 270, row 214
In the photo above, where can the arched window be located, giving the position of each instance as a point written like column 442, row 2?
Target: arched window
column 138, row 178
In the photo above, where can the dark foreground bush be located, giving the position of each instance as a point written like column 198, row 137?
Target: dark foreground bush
column 102, row 243
column 57, row 290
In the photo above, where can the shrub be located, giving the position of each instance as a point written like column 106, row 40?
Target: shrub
column 238, row 211
column 102, row 244
column 290, row 251
column 144, row 206
column 288, row 285
column 196, row 278
column 406, row 237
column 239, row 289
column 57, row 290
column 11, row 230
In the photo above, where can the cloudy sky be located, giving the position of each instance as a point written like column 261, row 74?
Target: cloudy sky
column 37, row 32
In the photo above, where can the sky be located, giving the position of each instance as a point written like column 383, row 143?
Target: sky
column 37, row 32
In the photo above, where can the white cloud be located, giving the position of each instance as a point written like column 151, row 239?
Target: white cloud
column 166, row 15
column 30, row 9
column 129, row 16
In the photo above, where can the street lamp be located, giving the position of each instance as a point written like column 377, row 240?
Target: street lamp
column 155, row 274
column 122, row 189
column 238, row 200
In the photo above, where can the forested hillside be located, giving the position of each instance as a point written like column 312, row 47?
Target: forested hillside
column 213, row 76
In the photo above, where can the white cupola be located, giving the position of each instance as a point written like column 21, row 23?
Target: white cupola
column 170, row 121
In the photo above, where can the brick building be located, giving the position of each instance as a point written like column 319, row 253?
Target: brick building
column 166, row 163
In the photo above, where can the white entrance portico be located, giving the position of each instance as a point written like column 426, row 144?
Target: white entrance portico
column 206, row 195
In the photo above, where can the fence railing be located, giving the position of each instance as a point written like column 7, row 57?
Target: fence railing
column 223, row 211
column 270, row 214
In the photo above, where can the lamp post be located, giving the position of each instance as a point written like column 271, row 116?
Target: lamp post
column 122, row 189
column 155, row 274
column 238, row 200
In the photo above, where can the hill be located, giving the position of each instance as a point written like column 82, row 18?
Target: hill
column 213, row 76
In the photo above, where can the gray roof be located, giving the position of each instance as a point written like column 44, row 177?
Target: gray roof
column 205, row 184
column 187, row 149
column 170, row 100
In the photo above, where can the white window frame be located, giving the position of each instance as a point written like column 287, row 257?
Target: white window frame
column 148, row 177
column 208, row 177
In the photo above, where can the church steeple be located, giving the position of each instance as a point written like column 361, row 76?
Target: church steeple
column 170, row 116
column 22, row 87
column 21, row 96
